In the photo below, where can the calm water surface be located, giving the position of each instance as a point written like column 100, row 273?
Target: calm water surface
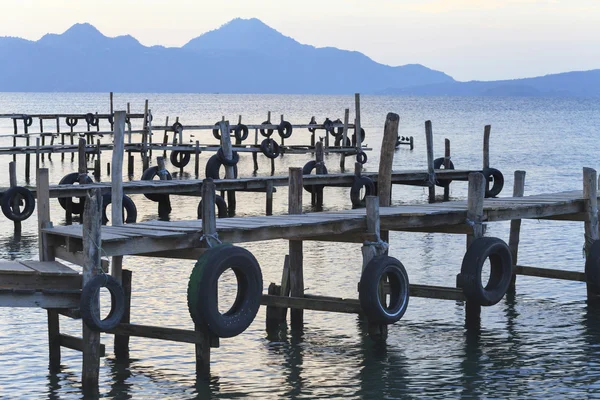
column 543, row 343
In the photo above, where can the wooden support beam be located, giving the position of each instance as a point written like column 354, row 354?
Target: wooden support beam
column 229, row 170
column 296, row 247
column 515, row 225
column 430, row 159
column 446, row 166
column 386, row 159
column 590, row 195
column 486, row 146
column 550, row 273
column 75, row 343
column 161, row 333
column 320, row 169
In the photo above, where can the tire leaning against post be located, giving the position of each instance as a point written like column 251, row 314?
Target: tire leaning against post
column 180, row 163
column 221, row 207
column 7, row 203
column 202, row 290
column 438, row 163
column 213, row 166
column 70, row 179
column 130, row 210
column 357, row 185
column 369, row 293
column 306, row 170
column 498, row 181
column 285, row 129
column 149, row 175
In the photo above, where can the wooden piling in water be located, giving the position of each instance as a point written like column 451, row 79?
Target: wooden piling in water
column 344, row 138
column 430, row 160
column 164, row 205
column 486, row 146
column 229, row 170
column 296, row 248
column 515, row 227
column 320, row 169
column 446, row 166
column 12, row 175
column 590, row 195
column 386, row 159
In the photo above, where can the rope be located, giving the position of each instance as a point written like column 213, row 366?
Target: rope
column 380, row 244
column 214, row 236
column 101, row 250
column 472, row 223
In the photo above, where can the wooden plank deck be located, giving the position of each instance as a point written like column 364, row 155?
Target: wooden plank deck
column 160, row 236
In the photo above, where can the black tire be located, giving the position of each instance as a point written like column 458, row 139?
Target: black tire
column 213, row 166
column 177, row 127
column 185, row 158
column 241, row 132
column 27, row 120
column 91, row 119
column 500, row 258
column 111, row 118
column 266, row 132
column 285, row 129
column 202, row 290
column 221, row 207
column 216, row 132
column 370, row 279
column 359, row 183
column 438, row 163
column 361, row 157
column 270, row 148
column 339, row 131
column 328, row 126
column 592, row 265
column 149, row 175
column 338, row 141
column 362, row 137
column 235, row 158
column 71, row 121
column 129, row 209
column 306, row 170
column 70, row 179
column 89, row 297
column 495, row 176
column 312, row 130
column 8, row 201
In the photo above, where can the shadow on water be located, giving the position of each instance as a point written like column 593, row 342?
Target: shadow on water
column 19, row 246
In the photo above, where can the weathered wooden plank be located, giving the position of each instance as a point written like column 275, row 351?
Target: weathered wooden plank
column 39, row 299
column 13, row 267
column 75, row 343
column 550, row 273
column 49, row 267
column 304, row 303
column 156, row 332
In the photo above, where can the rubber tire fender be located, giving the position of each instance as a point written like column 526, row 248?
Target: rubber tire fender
column 216, row 132
column 498, row 179
column 241, row 132
column 368, row 294
column 501, row 271
column 306, row 170
column 359, row 183
column 89, row 295
column 328, row 126
column 266, row 132
column 70, row 179
column 221, row 207
column 337, row 132
column 235, row 158
column 91, row 119
column 202, row 290
column 7, row 201
column 338, row 141
column 185, row 160
column 285, row 129
column 213, row 166
column 27, row 120
column 177, row 126
column 361, row 157
column 71, row 121
column 270, row 148
column 128, row 206
column 148, row 175
column 362, row 137
column 438, row 163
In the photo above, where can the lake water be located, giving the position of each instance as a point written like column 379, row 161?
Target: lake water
column 544, row 343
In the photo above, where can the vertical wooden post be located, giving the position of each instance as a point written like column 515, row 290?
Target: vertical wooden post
column 430, row 170
column 166, row 137
column 112, row 124
column 515, row 226
column 344, row 138
column 486, row 146
column 150, row 134
column 357, row 125
column 97, row 161
column 296, row 247
column 386, row 159
column 92, row 221
column 319, row 154
column 475, row 198
column 255, row 161
column 269, row 198
column 229, row 171
column 117, row 183
column 27, row 155
column 446, row 165
column 209, row 228
column 369, row 252
column 164, row 205
column 12, row 173
column 312, row 133
column 15, row 133
column 37, row 153
column 144, row 154
column 590, row 195
column 197, row 160
column 82, row 163
column 43, row 138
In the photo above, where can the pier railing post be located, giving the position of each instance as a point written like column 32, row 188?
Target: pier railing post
column 590, row 196
column 229, row 170
column 92, row 222
column 320, row 168
column 164, row 205
column 386, row 159
column 12, row 176
column 487, row 130
column 296, row 248
column 430, row 168
column 515, row 226
column 475, row 198
column 446, row 165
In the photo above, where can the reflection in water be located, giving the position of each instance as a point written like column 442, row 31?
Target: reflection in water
column 120, row 372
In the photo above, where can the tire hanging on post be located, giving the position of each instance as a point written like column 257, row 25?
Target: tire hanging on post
column 90, row 314
column 8, row 200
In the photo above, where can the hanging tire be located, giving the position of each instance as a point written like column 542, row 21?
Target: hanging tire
column 129, row 209
column 362, row 137
column 438, row 163
column 149, row 175
column 27, row 120
column 221, row 207
column 374, row 309
column 70, row 179
column 339, row 131
column 266, row 132
column 359, row 183
column 241, row 132
column 216, row 132
column 270, row 148
column 306, row 170
column 89, row 296
column 8, row 200
column 328, row 126
column 361, row 157
column 180, row 163
column 592, row 265
column 177, row 127
column 91, row 119
column 71, row 121
column 500, row 258
column 202, row 290
column 338, row 141
column 312, row 122
column 213, row 166
column 235, row 157
column 495, row 176
column 285, row 129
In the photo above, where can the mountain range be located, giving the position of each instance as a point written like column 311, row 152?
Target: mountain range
column 242, row 56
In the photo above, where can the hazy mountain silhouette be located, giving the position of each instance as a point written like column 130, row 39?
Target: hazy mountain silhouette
column 243, row 56
column 578, row 83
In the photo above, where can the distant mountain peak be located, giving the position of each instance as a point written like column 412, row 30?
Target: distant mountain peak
column 83, row 29
column 86, row 35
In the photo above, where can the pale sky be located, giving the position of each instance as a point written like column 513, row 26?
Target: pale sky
column 467, row 39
